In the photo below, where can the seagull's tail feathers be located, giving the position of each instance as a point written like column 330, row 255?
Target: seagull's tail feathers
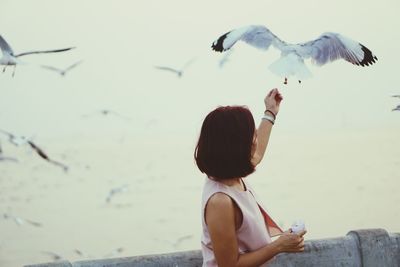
column 290, row 65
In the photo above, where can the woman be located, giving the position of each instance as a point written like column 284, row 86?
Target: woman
column 237, row 230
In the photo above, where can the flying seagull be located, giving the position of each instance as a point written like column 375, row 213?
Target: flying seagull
column 326, row 48
column 116, row 190
column 107, row 112
column 178, row 72
column 44, row 156
column 19, row 221
column 11, row 59
column 21, row 140
column 396, row 108
column 53, row 255
column 64, row 71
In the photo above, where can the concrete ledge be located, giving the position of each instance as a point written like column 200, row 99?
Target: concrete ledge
column 359, row 248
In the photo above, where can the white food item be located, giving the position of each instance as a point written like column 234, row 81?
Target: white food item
column 298, row 226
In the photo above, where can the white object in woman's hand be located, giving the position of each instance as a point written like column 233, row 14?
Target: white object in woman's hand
column 298, row 226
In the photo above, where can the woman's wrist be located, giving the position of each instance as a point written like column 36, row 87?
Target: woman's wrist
column 268, row 117
column 276, row 248
column 269, row 111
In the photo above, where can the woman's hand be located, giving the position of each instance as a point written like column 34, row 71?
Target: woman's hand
column 273, row 100
column 289, row 242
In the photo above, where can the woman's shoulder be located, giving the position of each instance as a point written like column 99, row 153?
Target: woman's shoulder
column 220, row 200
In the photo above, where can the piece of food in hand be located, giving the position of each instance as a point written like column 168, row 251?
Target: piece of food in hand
column 298, row 226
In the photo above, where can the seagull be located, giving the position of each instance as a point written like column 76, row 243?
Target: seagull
column 398, row 96
column 178, row 72
column 116, row 190
column 396, row 108
column 11, row 59
column 44, row 156
column 107, row 112
column 53, row 255
column 82, row 254
column 326, row 48
column 64, row 71
column 19, row 221
column 22, row 140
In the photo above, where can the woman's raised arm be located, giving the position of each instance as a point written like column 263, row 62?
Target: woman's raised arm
column 272, row 102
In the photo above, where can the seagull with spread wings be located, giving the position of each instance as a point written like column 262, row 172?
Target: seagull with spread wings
column 64, row 71
column 326, row 48
column 22, row 140
column 178, row 72
column 11, row 59
column 116, row 190
column 107, row 112
column 20, row 221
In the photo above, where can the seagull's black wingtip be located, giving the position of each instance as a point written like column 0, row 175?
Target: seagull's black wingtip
column 369, row 58
column 218, row 45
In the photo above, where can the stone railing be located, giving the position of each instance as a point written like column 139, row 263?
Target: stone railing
column 359, row 248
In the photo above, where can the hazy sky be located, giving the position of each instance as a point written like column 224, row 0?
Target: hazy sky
column 121, row 41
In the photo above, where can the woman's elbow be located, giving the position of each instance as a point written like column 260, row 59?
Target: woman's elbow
column 256, row 159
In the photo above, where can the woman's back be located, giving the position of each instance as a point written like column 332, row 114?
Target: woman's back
column 251, row 235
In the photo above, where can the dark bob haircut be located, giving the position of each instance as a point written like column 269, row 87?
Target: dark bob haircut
column 225, row 143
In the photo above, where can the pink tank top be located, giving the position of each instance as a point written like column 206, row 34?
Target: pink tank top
column 252, row 234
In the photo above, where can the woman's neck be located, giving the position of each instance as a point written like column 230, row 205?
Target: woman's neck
column 234, row 182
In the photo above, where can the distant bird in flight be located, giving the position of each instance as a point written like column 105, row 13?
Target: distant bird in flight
column 326, row 48
column 62, row 72
column 11, row 59
column 107, row 112
column 178, row 72
column 22, row 140
column 116, row 190
column 19, row 221
column 53, row 255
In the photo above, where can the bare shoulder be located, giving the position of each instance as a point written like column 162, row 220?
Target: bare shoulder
column 220, row 208
column 220, row 201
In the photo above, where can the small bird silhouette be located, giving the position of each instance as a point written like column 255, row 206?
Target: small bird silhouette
column 22, row 140
column 107, row 112
column 116, row 190
column 64, row 71
column 178, row 72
